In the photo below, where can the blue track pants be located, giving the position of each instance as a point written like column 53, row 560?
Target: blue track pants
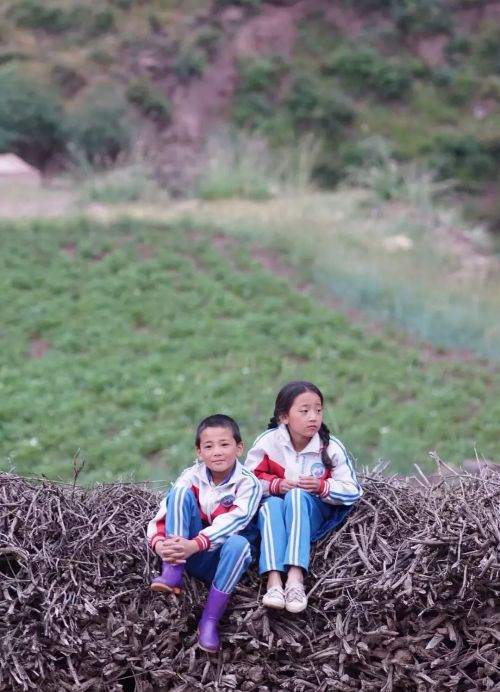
column 223, row 566
column 286, row 526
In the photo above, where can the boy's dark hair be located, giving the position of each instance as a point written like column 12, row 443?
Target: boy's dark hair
column 218, row 420
column 284, row 402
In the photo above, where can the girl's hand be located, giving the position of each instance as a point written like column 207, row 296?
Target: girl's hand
column 309, row 483
column 286, row 485
column 176, row 550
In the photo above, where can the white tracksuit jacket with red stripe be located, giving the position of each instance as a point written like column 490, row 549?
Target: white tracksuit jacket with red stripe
column 272, row 458
column 225, row 509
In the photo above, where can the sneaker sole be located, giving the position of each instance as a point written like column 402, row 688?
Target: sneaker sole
column 274, row 606
column 166, row 589
column 295, row 609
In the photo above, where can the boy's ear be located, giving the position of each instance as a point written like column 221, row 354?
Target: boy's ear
column 239, row 448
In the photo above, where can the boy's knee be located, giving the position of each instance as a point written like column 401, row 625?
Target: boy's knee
column 181, row 494
column 236, row 544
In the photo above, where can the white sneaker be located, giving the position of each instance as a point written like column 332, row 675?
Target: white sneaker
column 274, row 598
column 295, row 598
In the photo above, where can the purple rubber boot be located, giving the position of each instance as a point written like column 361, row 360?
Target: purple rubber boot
column 170, row 579
column 208, row 635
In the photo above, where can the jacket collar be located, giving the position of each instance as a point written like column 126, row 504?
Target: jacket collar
column 232, row 476
column 313, row 446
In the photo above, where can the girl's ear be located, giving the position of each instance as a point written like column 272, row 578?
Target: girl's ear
column 283, row 418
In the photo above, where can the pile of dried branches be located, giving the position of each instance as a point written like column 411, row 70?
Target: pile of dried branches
column 404, row 596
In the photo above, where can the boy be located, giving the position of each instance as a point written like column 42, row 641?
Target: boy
column 200, row 525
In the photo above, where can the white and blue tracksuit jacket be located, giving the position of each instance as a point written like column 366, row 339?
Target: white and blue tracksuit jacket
column 224, row 509
column 273, row 458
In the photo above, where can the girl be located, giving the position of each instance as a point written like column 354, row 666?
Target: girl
column 309, row 486
column 200, row 525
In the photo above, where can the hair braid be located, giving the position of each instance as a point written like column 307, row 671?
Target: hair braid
column 273, row 423
column 324, row 435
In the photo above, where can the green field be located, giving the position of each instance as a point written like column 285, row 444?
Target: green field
column 116, row 339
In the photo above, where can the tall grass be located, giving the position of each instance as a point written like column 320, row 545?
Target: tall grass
column 240, row 165
column 406, row 261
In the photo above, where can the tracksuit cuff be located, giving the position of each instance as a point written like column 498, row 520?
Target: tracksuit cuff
column 274, row 488
column 202, row 541
column 325, row 489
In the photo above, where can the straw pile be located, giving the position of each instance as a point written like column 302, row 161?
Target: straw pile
column 404, row 596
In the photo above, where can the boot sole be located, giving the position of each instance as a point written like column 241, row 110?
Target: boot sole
column 208, row 651
column 166, row 589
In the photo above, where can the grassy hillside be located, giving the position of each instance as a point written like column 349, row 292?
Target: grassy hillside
column 425, row 76
column 117, row 340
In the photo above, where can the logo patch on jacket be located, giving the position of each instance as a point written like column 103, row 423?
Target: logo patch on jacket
column 317, row 470
column 227, row 501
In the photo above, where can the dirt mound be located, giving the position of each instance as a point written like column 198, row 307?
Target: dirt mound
column 405, row 596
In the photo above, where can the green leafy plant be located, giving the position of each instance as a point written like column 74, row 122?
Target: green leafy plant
column 255, row 95
column 151, row 102
column 190, row 63
column 364, row 68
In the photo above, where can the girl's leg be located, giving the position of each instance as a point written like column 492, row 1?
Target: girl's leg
column 273, row 535
column 271, row 522
column 304, row 513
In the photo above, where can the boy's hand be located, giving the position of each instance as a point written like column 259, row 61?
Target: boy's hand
column 176, row 550
column 159, row 546
column 309, row 483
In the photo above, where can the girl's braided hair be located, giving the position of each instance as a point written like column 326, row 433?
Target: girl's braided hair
column 284, row 402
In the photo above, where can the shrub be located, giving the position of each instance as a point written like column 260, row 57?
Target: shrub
column 99, row 23
column 464, row 158
column 419, row 16
column 489, row 49
column 365, row 69
column 190, row 63
column 458, row 46
column 253, row 4
column 149, row 101
column 31, row 117
column 53, row 19
column 68, row 80
column 254, row 96
column 99, row 130
column 312, row 107
column 34, row 14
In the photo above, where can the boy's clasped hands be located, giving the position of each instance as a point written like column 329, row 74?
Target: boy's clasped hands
column 176, row 549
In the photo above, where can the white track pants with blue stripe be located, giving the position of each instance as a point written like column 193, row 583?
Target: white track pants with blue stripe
column 223, row 566
column 286, row 525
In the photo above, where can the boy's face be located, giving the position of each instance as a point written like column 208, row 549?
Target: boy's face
column 218, row 450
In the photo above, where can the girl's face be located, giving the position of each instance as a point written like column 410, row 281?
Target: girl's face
column 218, row 450
column 304, row 417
